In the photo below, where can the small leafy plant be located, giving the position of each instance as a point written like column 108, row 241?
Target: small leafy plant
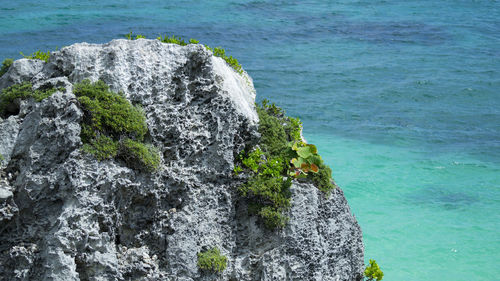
column 373, row 271
column 305, row 160
column 39, row 55
column 212, row 260
column 5, row 66
column 23, row 91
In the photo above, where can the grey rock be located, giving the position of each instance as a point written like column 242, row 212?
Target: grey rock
column 66, row 216
column 21, row 71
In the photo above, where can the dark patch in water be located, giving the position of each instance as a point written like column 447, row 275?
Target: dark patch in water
column 441, row 197
column 394, row 32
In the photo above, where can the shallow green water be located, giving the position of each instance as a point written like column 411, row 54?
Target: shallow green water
column 424, row 217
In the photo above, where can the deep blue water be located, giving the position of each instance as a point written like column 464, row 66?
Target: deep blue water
column 401, row 97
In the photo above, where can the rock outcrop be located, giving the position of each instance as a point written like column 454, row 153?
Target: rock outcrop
column 66, row 216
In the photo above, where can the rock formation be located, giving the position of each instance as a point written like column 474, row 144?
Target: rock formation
column 66, row 216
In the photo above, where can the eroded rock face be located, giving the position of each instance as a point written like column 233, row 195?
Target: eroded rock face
column 66, row 216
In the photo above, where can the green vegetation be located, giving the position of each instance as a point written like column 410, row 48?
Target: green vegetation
column 212, row 260
column 217, row 51
column 102, row 147
column 280, row 157
column 173, row 40
column 1, row 157
column 130, row 36
column 39, row 55
column 136, row 152
column 113, row 127
column 373, row 272
column 23, row 91
column 5, row 66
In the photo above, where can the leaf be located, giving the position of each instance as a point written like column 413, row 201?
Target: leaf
column 314, row 168
column 300, row 161
column 294, row 146
column 305, row 167
column 304, row 152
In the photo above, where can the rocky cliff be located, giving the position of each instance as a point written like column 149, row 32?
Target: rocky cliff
column 64, row 215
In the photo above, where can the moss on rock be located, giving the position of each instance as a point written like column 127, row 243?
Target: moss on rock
column 113, row 127
column 212, row 260
column 140, row 154
column 22, row 91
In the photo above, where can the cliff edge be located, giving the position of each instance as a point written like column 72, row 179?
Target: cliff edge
column 65, row 215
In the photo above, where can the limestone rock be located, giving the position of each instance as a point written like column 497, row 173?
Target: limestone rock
column 66, row 216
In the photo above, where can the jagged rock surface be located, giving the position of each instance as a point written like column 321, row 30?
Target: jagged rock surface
column 66, row 216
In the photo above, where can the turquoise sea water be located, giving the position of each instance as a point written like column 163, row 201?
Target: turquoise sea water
column 401, row 97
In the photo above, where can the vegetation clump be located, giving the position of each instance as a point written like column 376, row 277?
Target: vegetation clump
column 373, row 271
column 280, row 157
column 130, row 36
column 137, row 152
column 23, row 91
column 5, row 66
column 113, row 127
column 212, row 260
column 39, row 55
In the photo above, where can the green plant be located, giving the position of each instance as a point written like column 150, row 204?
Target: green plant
column 267, row 189
column 268, row 192
column 172, row 39
column 113, row 127
column 1, row 157
column 373, row 271
column 237, row 170
column 102, row 147
column 23, row 91
column 306, row 159
column 130, row 36
column 39, row 55
column 253, row 160
column 109, row 112
column 280, row 157
column 212, row 260
column 5, row 66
